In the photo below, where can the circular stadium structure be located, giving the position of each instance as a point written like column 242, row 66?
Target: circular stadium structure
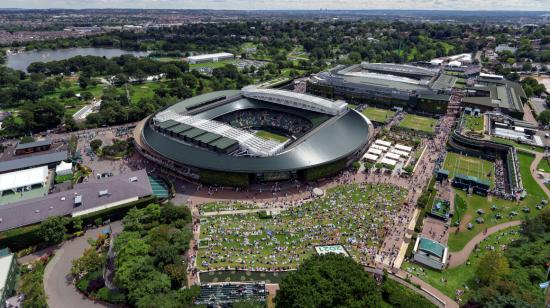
column 234, row 138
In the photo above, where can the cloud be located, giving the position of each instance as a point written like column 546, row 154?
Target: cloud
column 539, row 5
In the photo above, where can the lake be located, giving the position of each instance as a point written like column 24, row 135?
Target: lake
column 22, row 60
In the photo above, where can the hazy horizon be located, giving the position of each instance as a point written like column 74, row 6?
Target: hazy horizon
column 436, row 5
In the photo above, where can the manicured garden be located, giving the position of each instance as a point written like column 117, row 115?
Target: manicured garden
column 473, row 123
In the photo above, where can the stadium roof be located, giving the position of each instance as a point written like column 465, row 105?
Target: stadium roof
column 347, row 133
column 32, row 211
column 400, row 69
column 297, row 100
column 32, row 161
column 5, row 266
column 28, row 145
column 23, row 178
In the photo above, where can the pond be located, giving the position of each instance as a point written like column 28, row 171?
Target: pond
column 21, row 61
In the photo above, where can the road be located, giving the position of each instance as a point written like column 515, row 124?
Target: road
column 60, row 292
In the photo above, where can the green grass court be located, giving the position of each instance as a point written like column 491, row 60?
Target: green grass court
column 470, row 166
column 270, row 136
column 419, row 123
column 211, row 64
column 378, row 115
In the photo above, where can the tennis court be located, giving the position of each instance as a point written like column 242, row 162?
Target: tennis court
column 419, row 123
column 469, row 165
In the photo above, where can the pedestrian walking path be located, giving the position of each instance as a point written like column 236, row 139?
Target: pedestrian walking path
column 460, row 257
column 58, row 286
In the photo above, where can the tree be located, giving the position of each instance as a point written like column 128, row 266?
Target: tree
column 328, row 281
column 492, row 267
column 91, row 261
column 83, row 82
column 544, row 117
column 53, row 230
column 96, row 144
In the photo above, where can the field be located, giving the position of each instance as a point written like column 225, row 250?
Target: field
column 269, row 135
column 457, row 240
column 211, row 64
column 473, row 123
column 350, row 215
column 414, row 122
column 468, row 165
column 377, row 114
column 449, row 280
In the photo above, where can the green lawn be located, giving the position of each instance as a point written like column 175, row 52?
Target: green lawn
column 544, row 165
column 211, row 64
column 167, row 59
column 448, row 281
column 473, row 123
column 143, row 90
column 269, row 135
column 469, row 165
column 517, row 145
column 352, row 211
column 378, row 115
column 419, row 123
column 535, row 194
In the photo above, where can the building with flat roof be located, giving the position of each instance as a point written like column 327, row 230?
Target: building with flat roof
column 50, row 159
column 386, row 84
column 85, row 198
column 493, row 92
column 430, row 253
column 8, row 275
column 212, row 57
column 31, row 147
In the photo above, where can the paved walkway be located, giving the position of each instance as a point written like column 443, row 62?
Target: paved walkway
column 60, row 291
column 459, row 257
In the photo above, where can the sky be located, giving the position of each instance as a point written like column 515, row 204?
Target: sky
column 512, row 5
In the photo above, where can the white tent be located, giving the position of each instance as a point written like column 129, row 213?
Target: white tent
column 379, row 147
column 403, row 147
column 23, row 178
column 382, row 142
column 387, row 161
column 374, row 151
column 392, row 156
column 371, row 157
column 400, row 153
column 64, row 168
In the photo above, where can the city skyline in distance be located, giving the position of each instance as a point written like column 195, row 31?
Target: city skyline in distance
column 503, row 5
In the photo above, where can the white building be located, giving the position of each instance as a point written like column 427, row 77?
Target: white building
column 23, row 179
column 212, row 57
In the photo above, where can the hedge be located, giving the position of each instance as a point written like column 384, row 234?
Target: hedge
column 21, row 238
column 224, row 178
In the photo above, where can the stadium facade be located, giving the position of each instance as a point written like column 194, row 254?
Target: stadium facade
column 386, row 84
column 214, row 137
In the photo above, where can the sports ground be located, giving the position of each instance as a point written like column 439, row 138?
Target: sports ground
column 377, row 114
column 419, row 123
column 468, row 165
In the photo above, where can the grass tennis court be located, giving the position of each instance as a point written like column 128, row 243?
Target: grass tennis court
column 269, row 135
column 468, row 165
column 378, row 115
column 419, row 123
